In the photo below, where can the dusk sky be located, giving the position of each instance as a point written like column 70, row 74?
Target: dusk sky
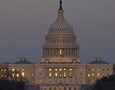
column 24, row 25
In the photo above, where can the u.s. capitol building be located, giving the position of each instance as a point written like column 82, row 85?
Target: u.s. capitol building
column 60, row 67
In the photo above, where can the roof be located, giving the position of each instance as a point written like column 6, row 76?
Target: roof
column 98, row 62
column 6, row 63
column 62, row 62
column 23, row 61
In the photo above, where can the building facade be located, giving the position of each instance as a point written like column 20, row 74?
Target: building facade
column 60, row 67
column 114, row 69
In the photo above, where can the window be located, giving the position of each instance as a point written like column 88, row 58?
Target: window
column 50, row 75
column 50, row 69
column 12, row 75
column 64, row 88
column 93, row 69
column 98, row 70
column 17, row 75
column 69, row 88
column 32, row 81
column 32, row 75
column 2, row 75
column 50, row 88
column 22, row 69
column 56, row 74
column 22, row 74
column 93, row 74
column 13, row 69
column 80, row 74
column 60, row 69
column 54, row 88
column 88, row 75
column 40, row 81
column 98, row 74
column 103, row 74
column 60, row 88
column 70, row 74
column 64, row 75
column 74, row 88
column 60, row 75
column 70, row 69
column 93, row 81
column 64, row 69
column 56, row 69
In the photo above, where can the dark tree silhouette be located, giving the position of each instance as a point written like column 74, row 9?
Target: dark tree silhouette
column 11, row 85
column 105, row 83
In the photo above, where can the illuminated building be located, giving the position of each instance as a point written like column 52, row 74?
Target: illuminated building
column 60, row 67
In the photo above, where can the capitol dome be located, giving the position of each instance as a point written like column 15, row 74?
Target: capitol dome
column 60, row 40
column 60, row 26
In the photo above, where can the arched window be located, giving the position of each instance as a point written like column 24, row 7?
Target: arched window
column 69, row 88
column 60, row 88
column 44, row 88
column 64, row 88
column 50, row 88
column 74, row 88
column 54, row 88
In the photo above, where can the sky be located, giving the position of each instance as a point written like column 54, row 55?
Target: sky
column 25, row 23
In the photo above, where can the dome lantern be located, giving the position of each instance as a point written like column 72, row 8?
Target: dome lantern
column 60, row 11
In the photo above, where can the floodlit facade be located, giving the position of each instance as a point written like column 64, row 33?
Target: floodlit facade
column 114, row 69
column 60, row 67
column 22, row 70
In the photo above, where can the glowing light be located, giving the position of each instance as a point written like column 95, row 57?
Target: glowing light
column 70, row 69
column 93, row 74
column 64, row 75
column 98, row 69
column 50, row 69
column 64, row 69
column 93, row 69
column 13, row 69
column 22, row 74
column 1, row 69
column 60, row 52
column 40, row 81
column 103, row 75
column 22, row 69
column 88, row 75
column 98, row 74
column 32, row 75
column 32, row 81
column 50, row 74
column 12, row 75
column 17, row 75
column 2, row 75
column 60, row 75
column 56, row 69
column 93, row 81
column 56, row 75
column 70, row 74
column 60, row 69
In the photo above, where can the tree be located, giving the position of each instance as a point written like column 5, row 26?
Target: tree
column 11, row 85
column 105, row 83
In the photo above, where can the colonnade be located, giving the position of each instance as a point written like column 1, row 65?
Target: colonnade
column 53, row 52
